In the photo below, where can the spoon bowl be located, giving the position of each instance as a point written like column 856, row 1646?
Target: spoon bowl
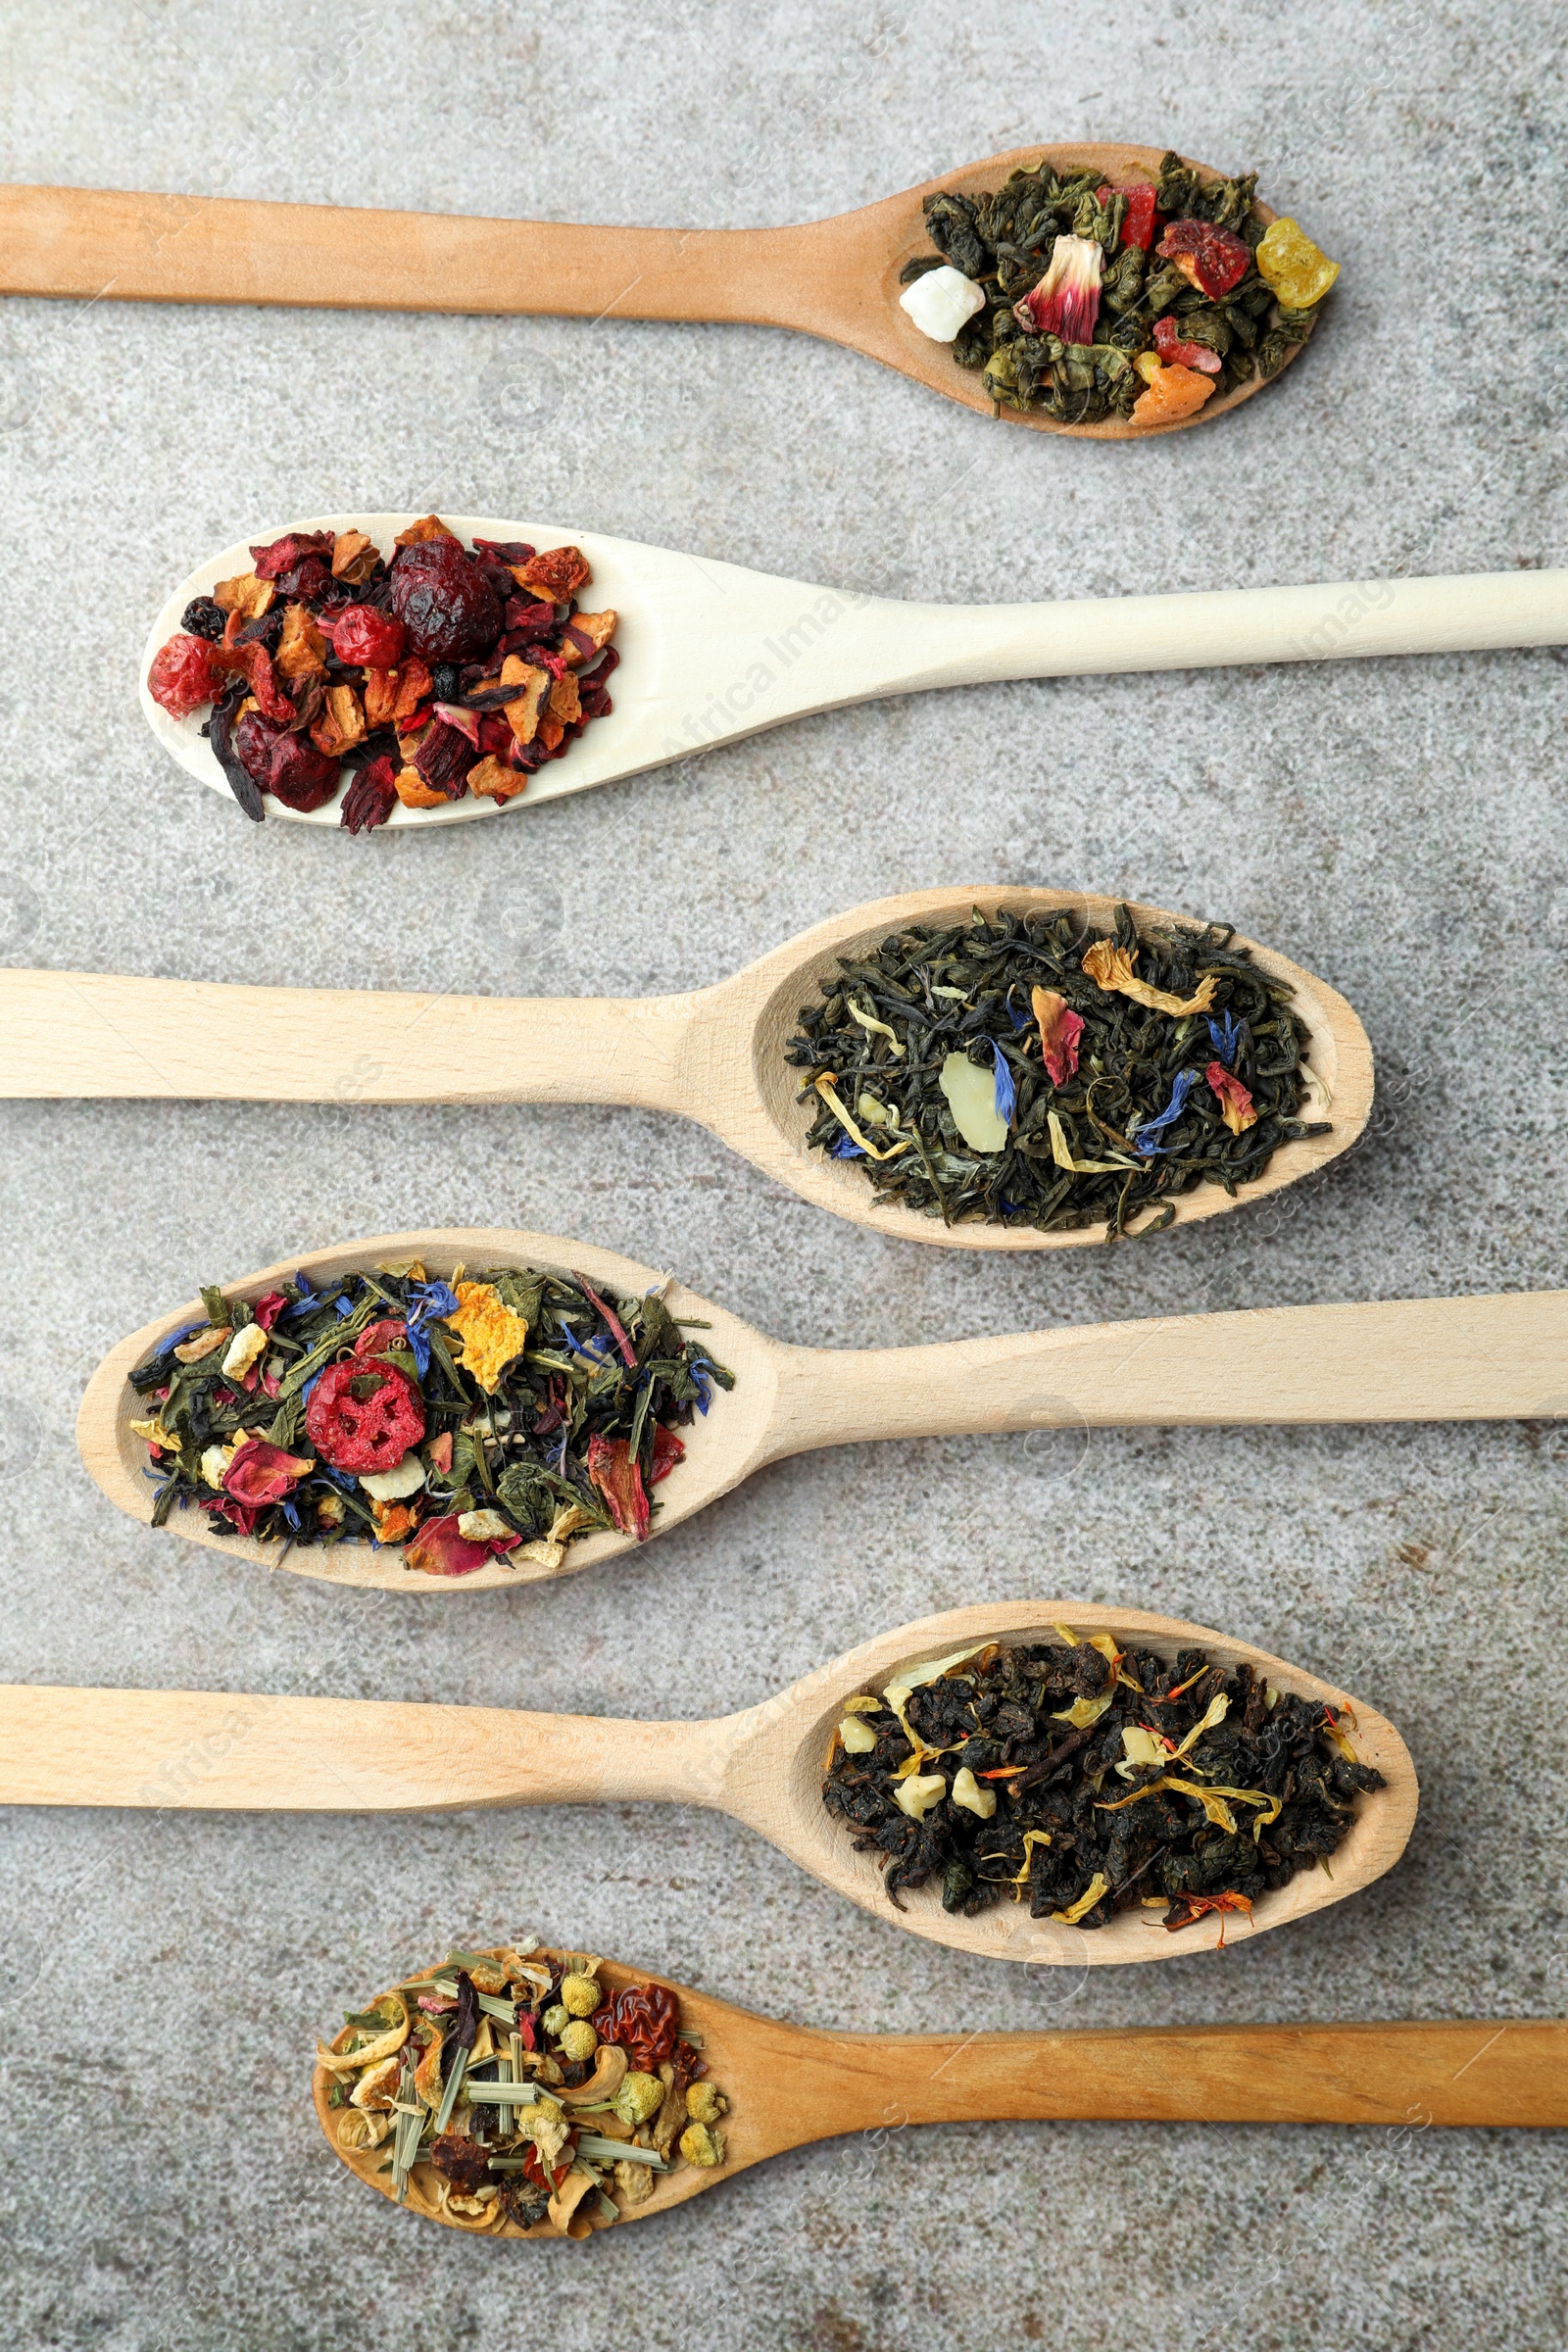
column 762, row 1767
column 712, row 651
column 714, row 1056
column 788, row 2085
column 1406, row 1359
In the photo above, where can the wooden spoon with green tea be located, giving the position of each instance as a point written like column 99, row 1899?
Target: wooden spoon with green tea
column 837, row 278
column 788, row 2085
column 1411, row 1359
column 712, row 651
column 219, row 1751
column 715, row 1055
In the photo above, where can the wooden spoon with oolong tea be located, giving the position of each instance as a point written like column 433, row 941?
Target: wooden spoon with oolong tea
column 841, row 279
column 769, row 2086
column 446, row 2091
column 764, row 1767
column 1413, row 1359
column 723, row 1056
column 711, row 651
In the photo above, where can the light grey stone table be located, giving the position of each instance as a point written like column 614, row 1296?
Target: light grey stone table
column 1397, row 827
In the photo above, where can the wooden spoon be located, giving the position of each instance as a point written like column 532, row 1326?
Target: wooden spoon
column 712, row 651
column 788, row 2085
column 1409, row 1359
column 717, row 1055
column 836, row 278
column 219, row 1751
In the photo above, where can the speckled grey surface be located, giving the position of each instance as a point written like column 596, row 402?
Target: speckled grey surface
column 1397, row 828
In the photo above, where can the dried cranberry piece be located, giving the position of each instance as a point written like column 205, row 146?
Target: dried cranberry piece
column 444, row 600
column 184, row 677
column 363, row 1416
column 371, row 796
column 287, row 765
column 203, row 619
column 282, row 554
column 362, row 634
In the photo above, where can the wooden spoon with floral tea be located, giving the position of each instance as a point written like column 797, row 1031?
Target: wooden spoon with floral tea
column 769, row 2086
column 1432, row 1359
column 712, row 651
column 219, row 1751
column 717, row 1055
column 839, row 278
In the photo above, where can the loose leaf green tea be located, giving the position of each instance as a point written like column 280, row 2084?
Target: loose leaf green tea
column 1086, row 302
column 1021, row 1070
column 496, row 1417
column 506, row 2089
column 1091, row 1779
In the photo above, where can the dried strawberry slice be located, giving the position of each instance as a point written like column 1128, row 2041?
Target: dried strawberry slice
column 376, row 1338
column 1177, row 354
column 1210, row 259
column 364, row 1415
column 184, row 676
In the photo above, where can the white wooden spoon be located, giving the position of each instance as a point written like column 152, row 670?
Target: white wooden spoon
column 1414, row 1359
column 711, row 651
column 221, row 1751
column 717, row 1055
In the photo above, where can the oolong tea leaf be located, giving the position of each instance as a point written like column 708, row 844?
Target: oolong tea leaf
column 1024, row 1070
column 1088, row 1778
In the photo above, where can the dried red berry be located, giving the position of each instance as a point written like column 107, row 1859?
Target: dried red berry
column 374, row 1340
column 361, row 633
column 363, row 1416
column 287, row 765
column 1177, row 354
column 184, row 677
column 443, row 599
column 1210, row 259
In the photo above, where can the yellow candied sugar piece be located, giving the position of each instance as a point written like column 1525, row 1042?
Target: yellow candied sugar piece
column 1299, row 271
column 491, row 1333
column 1148, row 365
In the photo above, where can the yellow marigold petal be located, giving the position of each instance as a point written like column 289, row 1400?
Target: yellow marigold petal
column 491, row 1331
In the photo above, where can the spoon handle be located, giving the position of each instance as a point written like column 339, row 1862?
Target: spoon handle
column 128, row 247
column 1496, row 1359
column 932, row 645
column 1403, row 2075
column 88, row 1034
column 216, row 1750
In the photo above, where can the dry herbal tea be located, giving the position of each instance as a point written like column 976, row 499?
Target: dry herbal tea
column 496, row 1416
column 1086, row 302
column 1024, row 1070
column 1089, row 1778
column 508, row 2092
column 444, row 672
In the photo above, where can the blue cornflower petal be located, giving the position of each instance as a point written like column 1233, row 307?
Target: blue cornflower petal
column 305, row 1392
column 1228, row 1036
column 291, row 1513
column 1019, row 1020
column 304, row 1284
column 420, row 1344
column 1006, row 1094
column 176, row 1337
column 705, row 1382
column 344, row 1305
column 845, row 1148
column 1186, row 1080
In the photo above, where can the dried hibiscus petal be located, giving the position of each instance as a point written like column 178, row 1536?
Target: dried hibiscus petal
column 283, row 555
column 220, row 734
column 669, row 1449
column 1213, row 260
column 363, row 1416
column 444, row 759
column 371, row 796
column 184, row 675
column 613, row 1469
column 287, row 765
